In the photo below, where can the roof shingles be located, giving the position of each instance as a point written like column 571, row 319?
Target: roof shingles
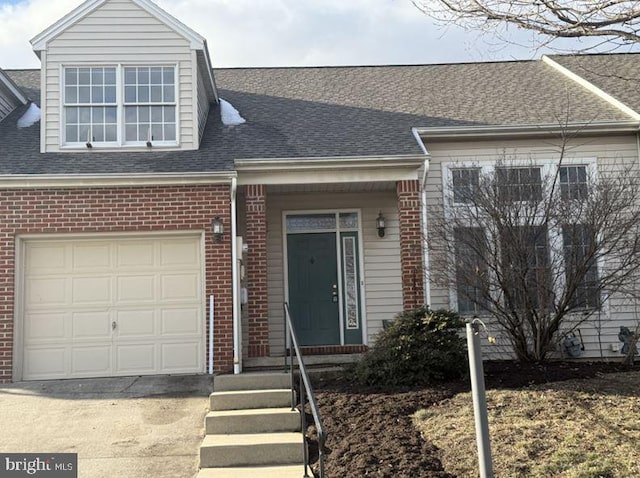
column 330, row 111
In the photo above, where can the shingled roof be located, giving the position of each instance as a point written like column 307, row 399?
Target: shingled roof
column 616, row 74
column 328, row 112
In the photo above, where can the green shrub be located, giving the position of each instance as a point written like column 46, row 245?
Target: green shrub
column 419, row 347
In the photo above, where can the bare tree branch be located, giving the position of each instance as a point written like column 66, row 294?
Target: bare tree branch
column 616, row 21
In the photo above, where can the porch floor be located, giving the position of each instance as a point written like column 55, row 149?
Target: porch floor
column 312, row 361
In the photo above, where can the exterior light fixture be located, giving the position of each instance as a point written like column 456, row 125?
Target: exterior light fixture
column 217, row 229
column 380, row 224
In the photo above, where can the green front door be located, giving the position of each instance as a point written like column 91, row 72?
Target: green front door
column 313, row 287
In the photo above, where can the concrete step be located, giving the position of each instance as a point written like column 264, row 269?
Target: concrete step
column 291, row 471
column 256, row 449
column 260, row 420
column 244, row 399
column 251, row 381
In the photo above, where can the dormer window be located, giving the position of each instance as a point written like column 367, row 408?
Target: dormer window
column 120, row 106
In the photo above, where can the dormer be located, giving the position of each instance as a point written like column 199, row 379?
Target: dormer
column 10, row 96
column 122, row 75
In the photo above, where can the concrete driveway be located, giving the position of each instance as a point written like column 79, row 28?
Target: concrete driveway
column 132, row 427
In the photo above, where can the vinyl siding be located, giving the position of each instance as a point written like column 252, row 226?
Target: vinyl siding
column 611, row 152
column 203, row 105
column 7, row 104
column 119, row 32
column 381, row 256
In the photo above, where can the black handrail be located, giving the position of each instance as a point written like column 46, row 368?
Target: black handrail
column 305, row 390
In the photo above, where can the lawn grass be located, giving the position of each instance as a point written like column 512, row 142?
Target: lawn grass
column 574, row 429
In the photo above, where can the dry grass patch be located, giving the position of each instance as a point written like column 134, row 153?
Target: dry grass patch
column 575, row 429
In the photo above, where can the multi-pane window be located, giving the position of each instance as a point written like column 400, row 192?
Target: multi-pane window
column 465, row 184
column 120, row 105
column 150, row 104
column 90, row 105
column 471, row 270
column 529, row 273
column 519, row 184
column 573, row 182
column 580, row 265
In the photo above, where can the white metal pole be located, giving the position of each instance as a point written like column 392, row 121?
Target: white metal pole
column 211, row 303
column 479, row 400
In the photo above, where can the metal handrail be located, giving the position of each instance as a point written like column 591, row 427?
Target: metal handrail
column 305, row 390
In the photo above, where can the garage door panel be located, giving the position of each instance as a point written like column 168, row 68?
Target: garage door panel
column 92, row 290
column 42, row 363
column 47, row 258
column 91, row 256
column 91, row 361
column 135, row 323
column 46, row 291
column 180, row 287
column 94, row 325
column 45, row 327
column 136, row 288
column 135, row 254
column 183, row 321
column 179, row 253
column 136, row 358
column 181, row 357
column 149, row 287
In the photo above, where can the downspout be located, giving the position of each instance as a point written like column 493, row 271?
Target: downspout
column 237, row 350
column 423, row 209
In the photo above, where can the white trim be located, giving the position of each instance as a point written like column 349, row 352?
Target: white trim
column 236, row 313
column 20, row 244
column 457, row 133
column 32, row 181
column 13, row 89
column 328, row 162
column 548, row 168
column 336, row 231
column 43, row 103
column 40, row 41
column 591, row 87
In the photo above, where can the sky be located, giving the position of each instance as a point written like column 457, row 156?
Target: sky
column 258, row 33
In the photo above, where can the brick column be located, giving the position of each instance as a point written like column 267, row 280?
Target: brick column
column 256, row 270
column 408, row 193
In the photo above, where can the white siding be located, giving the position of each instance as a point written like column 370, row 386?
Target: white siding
column 7, row 104
column 119, row 32
column 382, row 272
column 611, row 152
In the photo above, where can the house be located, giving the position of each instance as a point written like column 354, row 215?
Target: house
column 143, row 235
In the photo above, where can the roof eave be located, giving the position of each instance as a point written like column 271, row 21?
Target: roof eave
column 328, row 163
column 539, row 130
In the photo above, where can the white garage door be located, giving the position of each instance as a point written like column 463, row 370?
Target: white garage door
column 127, row 306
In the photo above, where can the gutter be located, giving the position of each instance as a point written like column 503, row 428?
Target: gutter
column 423, row 209
column 528, row 130
column 327, row 163
column 32, row 181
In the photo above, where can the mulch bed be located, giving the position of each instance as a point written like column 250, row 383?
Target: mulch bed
column 371, row 432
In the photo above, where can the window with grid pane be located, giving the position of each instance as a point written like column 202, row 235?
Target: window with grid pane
column 471, row 270
column 573, row 182
column 465, row 184
column 149, row 104
column 519, row 184
column 580, row 265
column 90, row 105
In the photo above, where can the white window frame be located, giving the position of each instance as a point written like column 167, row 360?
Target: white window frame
column 120, row 118
column 548, row 168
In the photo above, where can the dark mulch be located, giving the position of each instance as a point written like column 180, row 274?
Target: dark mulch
column 370, row 429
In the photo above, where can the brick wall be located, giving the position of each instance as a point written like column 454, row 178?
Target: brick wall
column 112, row 210
column 256, row 270
column 408, row 193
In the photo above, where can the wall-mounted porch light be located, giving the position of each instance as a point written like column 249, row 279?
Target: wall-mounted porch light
column 217, row 229
column 380, row 224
